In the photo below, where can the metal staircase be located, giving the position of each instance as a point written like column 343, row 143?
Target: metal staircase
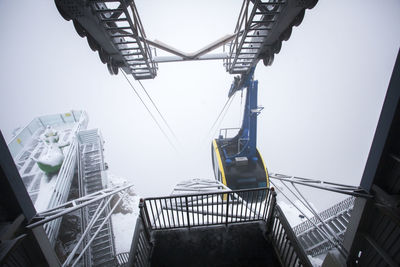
column 124, row 27
column 92, row 179
column 114, row 29
column 336, row 218
column 260, row 30
column 211, row 225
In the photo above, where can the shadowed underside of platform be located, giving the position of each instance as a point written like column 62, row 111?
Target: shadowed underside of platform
column 235, row 245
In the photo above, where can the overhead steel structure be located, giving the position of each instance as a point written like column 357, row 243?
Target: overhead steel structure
column 114, row 29
column 260, row 30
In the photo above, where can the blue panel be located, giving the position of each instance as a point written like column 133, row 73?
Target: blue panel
column 262, row 184
column 247, row 180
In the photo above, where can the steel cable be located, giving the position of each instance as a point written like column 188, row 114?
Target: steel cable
column 162, row 117
column 151, row 114
column 219, row 115
column 223, row 116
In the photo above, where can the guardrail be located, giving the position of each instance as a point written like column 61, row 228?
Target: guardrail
column 207, row 209
column 217, row 208
column 287, row 246
column 140, row 252
column 24, row 135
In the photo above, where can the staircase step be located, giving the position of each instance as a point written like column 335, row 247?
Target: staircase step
column 101, row 251
column 102, row 232
column 101, row 239
column 99, row 244
column 105, row 262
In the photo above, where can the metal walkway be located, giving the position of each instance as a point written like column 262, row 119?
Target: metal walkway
column 92, row 179
column 336, row 217
column 114, row 29
column 127, row 34
column 260, row 30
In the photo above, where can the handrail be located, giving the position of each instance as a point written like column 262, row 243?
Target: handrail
column 217, row 208
column 228, row 207
column 285, row 242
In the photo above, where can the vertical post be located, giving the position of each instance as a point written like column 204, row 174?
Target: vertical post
column 187, row 211
column 253, row 91
column 271, row 210
column 144, row 217
column 227, row 209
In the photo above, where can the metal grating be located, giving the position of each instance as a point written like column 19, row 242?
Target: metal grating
column 336, row 217
column 260, row 29
column 91, row 166
column 124, row 28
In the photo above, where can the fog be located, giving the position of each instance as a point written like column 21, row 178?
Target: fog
column 322, row 95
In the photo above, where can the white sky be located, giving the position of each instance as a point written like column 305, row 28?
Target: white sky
column 322, row 96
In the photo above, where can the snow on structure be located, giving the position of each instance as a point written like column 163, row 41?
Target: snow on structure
column 124, row 217
column 47, row 190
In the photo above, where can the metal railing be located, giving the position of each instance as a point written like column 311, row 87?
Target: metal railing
column 141, row 248
column 218, row 208
column 224, row 132
column 286, row 244
column 19, row 141
column 206, row 209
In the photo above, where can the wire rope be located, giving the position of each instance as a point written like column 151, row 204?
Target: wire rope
column 162, row 117
column 216, row 120
column 223, row 116
column 151, row 114
column 226, row 105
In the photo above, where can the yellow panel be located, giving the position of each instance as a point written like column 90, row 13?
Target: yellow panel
column 221, row 167
column 67, row 114
column 265, row 167
column 18, row 141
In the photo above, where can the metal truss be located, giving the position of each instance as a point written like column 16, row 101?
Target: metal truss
column 96, row 223
column 334, row 187
column 70, row 206
column 260, row 29
column 199, row 186
column 121, row 21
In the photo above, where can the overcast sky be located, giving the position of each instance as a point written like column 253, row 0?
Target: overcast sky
column 322, row 95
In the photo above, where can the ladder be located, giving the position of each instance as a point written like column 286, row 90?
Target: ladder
column 102, row 248
column 260, row 29
column 336, row 217
column 121, row 21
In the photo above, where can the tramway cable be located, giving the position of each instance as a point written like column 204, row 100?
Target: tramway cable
column 151, row 114
column 216, row 120
column 162, row 117
column 223, row 116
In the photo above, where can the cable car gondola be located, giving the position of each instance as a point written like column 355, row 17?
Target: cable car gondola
column 236, row 161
